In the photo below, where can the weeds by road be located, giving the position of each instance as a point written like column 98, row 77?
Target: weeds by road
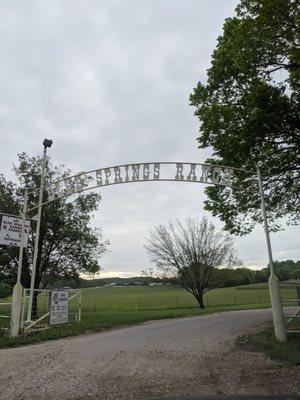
column 266, row 342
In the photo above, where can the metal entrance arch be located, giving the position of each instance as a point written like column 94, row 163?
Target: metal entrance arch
column 139, row 172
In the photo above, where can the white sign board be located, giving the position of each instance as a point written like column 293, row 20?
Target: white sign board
column 11, row 229
column 59, row 307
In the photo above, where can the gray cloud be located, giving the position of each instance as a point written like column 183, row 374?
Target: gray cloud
column 109, row 82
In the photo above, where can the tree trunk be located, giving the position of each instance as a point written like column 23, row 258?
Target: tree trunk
column 199, row 298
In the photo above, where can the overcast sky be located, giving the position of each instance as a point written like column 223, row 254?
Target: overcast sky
column 109, row 82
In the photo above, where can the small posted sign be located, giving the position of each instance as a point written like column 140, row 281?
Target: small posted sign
column 11, row 230
column 59, row 307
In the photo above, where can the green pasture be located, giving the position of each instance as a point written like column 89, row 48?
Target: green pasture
column 171, row 297
column 165, row 297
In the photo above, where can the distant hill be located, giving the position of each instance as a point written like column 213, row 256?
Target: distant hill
column 225, row 277
column 121, row 281
column 84, row 283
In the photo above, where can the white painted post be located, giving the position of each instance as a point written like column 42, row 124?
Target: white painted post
column 16, row 304
column 274, row 287
column 23, row 307
column 37, row 237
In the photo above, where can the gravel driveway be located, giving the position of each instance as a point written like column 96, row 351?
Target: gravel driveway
column 187, row 356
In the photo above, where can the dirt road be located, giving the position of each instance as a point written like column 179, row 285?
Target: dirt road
column 194, row 356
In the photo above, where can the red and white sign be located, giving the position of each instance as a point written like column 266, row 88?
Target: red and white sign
column 11, row 229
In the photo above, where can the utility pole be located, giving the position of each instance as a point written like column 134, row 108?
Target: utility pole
column 46, row 143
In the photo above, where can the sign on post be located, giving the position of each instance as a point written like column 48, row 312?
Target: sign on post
column 59, row 307
column 11, row 231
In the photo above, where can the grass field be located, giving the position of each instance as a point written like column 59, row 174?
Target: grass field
column 171, row 297
column 107, row 307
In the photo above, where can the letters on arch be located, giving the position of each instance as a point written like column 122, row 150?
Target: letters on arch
column 189, row 172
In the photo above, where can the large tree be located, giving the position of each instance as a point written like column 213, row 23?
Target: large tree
column 249, row 112
column 193, row 251
column 68, row 245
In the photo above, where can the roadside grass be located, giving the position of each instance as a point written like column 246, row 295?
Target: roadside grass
column 104, row 320
column 266, row 342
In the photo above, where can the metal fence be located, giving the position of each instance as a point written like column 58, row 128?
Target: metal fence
column 96, row 303
column 40, row 316
column 5, row 308
column 292, row 314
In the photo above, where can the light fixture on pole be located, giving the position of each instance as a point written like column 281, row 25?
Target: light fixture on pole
column 47, row 143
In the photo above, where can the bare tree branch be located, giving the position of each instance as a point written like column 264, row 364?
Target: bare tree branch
column 193, row 251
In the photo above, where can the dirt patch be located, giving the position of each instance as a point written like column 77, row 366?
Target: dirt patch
column 156, row 372
column 243, row 343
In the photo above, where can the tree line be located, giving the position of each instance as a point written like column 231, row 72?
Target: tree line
column 225, row 277
column 285, row 270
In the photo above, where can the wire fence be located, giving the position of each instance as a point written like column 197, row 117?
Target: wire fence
column 40, row 316
column 99, row 300
column 292, row 314
column 5, row 308
column 148, row 303
column 41, row 310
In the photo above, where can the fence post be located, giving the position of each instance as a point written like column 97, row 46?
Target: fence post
column 79, row 307
column 95, row 305
column 177, row 302
column 23, row 307
column 259, row 297
column 44, row 305
column 16, row 308
column 235, row 300
column 139, row 303
column 298, row 294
